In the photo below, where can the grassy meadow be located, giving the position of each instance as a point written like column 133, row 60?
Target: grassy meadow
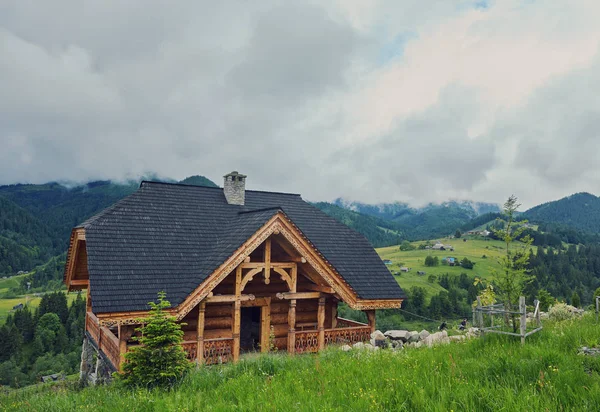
column 495, row 374
column 6, row 305
column 474, row 249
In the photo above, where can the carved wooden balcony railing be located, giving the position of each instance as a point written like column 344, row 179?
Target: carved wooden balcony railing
column 307, row 341
column 347, row 336
column 93, row 327
column 190, row 349
column 348, row 323
column 218, row 351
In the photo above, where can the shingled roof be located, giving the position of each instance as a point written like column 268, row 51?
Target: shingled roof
column 171, row 237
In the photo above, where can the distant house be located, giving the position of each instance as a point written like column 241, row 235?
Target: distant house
column 387, row 262
column 22, row 272
column 439, row 246
column 420, row 272
column 450, row 261
column 17, row 307
column 404, row 269
column 485, row 233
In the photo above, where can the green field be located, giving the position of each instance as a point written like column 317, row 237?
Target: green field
column 474, row 249
column 492, row 374
column 6, row 305
column 6, row 284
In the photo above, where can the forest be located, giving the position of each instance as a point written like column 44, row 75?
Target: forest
column 43, row 342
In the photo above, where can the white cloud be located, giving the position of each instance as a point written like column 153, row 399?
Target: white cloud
column 477, row 103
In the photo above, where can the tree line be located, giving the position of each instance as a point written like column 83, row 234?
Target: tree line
column 42, row 342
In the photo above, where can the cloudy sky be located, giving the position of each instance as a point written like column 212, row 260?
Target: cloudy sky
column 368, row 100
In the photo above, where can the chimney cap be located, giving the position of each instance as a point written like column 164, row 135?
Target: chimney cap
column 235, row 173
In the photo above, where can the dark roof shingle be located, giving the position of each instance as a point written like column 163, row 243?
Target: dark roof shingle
column 172, row 237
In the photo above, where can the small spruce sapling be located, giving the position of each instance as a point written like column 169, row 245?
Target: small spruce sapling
column 160, row 360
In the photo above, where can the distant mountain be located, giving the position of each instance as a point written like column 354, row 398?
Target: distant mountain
column 36, row 220
column 198, row 181
column 379, row 232
column 426, row 222
column 580, row 211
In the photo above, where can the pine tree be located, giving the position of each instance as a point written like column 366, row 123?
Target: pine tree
column 575, row 301
column 513, row 276
column 160, row 360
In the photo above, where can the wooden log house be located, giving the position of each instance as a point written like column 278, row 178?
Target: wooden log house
column 244, row 271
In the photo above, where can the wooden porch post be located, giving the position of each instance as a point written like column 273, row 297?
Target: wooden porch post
column 124, row 332
column 200, row 333
column 321, row 322
column 292, row 327
column 371, row 317
column 334, row 313
column 292, row 313
column 236, row 314
column 265, row 327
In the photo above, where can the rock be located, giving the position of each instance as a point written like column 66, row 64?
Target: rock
column 457, row 338
column 368, row 346
column 437, row 338
column 358, row 345
column 589, row 351
column 378, row 339
column 401, row 335
column 397, row 344
column 423, row 334
column 346, row 348
column 414, row 337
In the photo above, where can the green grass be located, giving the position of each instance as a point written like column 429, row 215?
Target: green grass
column 497, row 374
column 6, row 305
column 6, row 284
column 473, row 249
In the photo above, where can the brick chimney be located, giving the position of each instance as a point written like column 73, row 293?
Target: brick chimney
column 235, row 188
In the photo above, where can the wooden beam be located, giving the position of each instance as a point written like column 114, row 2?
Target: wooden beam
column 267, row 261
column 298, row 295
column 255, row 265
column 292, row 327
column 371, row 317
column 200, row 332
column 237, row 314
column 80, row 282
column 265, row 327
column 228, row 298
column 319, row 288
column 256, row 302
column 294, row 275
column 321, row 323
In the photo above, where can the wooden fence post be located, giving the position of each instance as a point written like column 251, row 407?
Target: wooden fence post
column 523, row 310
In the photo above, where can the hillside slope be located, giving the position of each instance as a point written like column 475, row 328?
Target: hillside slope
column 430, row 221
column 25, row 241
column 36, row 220
column 545, row 374
column 580, row 211
column 378, row 231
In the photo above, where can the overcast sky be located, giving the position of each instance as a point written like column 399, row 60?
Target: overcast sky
column 399, row 100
